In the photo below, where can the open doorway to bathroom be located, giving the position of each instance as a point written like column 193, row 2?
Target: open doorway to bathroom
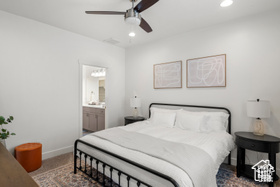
column 93, row 99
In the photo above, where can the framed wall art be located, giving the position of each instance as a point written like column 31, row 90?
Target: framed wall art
column 168, row 75
column 206, row 72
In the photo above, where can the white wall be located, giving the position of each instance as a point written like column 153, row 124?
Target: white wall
column 39, row 81
column 252, row 46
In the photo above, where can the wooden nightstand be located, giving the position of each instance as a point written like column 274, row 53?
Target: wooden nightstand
column 267, row 144
column 132, row 119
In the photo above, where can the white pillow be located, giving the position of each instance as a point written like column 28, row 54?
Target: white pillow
column 163, row 119
column 217, row 121
column 190, row 120
column 163, row 110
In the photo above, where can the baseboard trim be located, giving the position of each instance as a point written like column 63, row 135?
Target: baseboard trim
column 57, row 152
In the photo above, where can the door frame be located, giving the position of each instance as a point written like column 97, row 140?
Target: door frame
column 82, row 63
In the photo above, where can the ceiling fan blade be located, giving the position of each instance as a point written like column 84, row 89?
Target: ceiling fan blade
column 105, row 12
column 145, row 26
column 144, row 4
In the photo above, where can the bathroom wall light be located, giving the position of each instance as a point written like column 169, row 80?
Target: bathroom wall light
column 98, row 73
column 226, row 3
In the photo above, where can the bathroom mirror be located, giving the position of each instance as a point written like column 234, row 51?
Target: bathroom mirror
column 94, row 86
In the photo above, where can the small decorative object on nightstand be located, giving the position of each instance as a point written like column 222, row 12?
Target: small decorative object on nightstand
column 132, row 119
column 267, row 144
column 135, row 103
column 258, row 109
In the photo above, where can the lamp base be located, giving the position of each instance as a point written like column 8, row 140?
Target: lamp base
column 135, row 112
column 258, row 128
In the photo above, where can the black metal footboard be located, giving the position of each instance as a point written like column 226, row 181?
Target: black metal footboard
column 94, row 162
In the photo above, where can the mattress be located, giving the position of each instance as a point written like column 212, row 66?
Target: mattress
column 216, row 144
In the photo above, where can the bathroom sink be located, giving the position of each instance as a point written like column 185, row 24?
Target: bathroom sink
column 95, row 106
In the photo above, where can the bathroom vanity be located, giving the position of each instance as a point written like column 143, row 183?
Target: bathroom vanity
column 93, row 118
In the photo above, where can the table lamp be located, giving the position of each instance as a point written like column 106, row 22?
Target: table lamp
column 258, row 109
column 135, row 103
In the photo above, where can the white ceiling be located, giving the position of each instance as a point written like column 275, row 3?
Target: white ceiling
column 166, row 17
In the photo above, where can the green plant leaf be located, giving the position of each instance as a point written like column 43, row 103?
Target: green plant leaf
column 4, row 133
column 2, row 120
column 4, row 136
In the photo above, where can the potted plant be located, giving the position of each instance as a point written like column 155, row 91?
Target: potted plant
column 4, row 133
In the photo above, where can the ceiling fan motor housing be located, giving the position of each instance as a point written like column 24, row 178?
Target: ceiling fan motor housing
column 132, row 17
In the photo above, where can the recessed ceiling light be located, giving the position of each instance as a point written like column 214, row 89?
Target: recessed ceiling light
column 226, row 3
column 131, row 34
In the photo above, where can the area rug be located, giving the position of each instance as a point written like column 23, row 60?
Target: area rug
column 227, row 177
column 64, row 176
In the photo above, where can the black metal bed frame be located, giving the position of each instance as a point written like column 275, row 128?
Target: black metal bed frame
column 94, row 173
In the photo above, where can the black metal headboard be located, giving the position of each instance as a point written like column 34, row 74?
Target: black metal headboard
column 197, row 106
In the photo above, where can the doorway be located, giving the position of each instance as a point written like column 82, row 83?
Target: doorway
column 93, row 99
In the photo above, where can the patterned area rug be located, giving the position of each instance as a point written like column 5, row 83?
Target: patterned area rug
column 64, row 176
column 227, row 177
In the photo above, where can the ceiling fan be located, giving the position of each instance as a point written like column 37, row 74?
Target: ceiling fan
column 132, row 16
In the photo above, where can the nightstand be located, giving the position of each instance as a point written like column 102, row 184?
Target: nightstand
column 267, row 144
column 132, row 119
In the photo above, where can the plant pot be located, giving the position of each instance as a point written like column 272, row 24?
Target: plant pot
column 3, row 142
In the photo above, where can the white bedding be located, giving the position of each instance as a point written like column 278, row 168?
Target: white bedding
column 216, row 144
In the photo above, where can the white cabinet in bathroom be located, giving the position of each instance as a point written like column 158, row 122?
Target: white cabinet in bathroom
column 93, row 119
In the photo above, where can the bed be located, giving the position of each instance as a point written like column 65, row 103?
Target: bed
column 179, row 145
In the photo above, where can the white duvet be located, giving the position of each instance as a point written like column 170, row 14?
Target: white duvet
column 217, row 145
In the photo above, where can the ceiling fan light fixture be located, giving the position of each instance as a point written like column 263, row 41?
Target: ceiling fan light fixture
column 226, row 3
column 132, row 17
column 133, row 21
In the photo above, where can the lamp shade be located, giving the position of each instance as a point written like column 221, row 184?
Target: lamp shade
column 135, row 102
column 258, row 109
